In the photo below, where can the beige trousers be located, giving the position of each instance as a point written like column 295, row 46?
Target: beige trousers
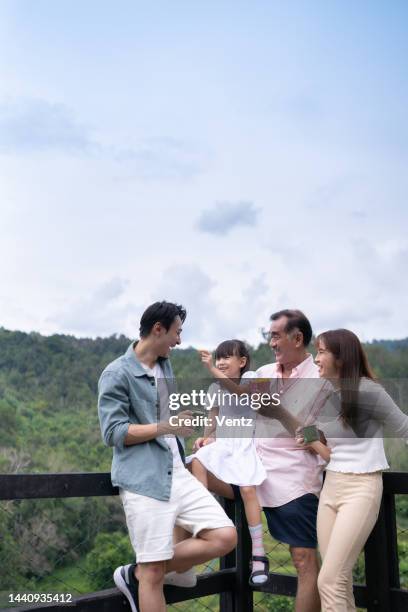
column 348, row 510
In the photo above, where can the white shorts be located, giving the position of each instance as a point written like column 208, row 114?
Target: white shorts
column 151, row 521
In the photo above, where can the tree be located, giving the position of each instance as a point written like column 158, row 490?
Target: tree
column 109, row 551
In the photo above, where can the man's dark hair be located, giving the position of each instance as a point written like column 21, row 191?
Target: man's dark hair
column 160, row 312
column 295, row 320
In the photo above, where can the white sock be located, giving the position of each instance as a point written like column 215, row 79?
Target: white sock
column 256, row 532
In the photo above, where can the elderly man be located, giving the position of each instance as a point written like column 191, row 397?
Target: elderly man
column 289, row 495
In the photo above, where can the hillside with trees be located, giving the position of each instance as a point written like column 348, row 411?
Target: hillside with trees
column 49, row 423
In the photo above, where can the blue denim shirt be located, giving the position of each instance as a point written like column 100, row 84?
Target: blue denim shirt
column 128, row 395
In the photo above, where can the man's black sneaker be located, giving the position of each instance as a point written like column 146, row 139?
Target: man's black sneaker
column 124, row 578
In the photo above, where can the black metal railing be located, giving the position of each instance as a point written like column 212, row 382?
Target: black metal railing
column 382, row 591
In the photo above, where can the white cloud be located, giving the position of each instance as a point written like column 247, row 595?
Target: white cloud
column 225, row 216
column 35, row 125
column 102, row 312
column 116, row 180
column 29, row 126
column 214, row 313
column 162, row 158
column 191, row 286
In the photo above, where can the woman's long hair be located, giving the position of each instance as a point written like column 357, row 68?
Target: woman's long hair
column 353, row 365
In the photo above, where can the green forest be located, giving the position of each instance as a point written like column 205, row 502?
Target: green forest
column 49, row 423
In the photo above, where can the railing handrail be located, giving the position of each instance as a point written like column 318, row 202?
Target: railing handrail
column 382, row 592
column 94, row 484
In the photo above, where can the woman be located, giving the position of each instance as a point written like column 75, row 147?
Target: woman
column 352, row 491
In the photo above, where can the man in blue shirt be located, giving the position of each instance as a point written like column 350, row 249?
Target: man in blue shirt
column 157, row 491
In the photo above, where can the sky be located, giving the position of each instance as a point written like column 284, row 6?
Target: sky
column 235, row 157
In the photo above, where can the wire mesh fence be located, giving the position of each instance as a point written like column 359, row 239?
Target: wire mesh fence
column 210, row 602
column 60, row 546
column 72, row 545
column 401, row 505
column 280, row 561
column 54, row 546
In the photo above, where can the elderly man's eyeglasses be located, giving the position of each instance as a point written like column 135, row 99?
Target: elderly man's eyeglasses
column 268, row 335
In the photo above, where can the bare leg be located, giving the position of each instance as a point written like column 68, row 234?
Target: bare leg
column 307, row 567
column 209, row 544
column 150, row 577
column 251, row 504
column 183, row 579
column 219, row 487
column 211, row 482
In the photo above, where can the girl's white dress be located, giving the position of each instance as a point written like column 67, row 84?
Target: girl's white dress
column 233, row 457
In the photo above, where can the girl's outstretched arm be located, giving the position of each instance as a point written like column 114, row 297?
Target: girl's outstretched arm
column 227, row 383
column 288, row 420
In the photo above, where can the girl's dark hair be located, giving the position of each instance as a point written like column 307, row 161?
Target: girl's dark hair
column 353, row 365
column 160, row 312
column 236, row 348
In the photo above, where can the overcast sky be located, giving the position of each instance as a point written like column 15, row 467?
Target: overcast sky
column 236, row 157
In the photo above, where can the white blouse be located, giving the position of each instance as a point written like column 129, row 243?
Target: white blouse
column 361, row 450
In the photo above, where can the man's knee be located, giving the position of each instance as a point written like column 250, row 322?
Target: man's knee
column 223, row 540
column 305, row 560
column 152, row 573
column 227, row 539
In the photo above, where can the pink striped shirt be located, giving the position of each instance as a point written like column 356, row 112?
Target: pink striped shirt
column 291, row 471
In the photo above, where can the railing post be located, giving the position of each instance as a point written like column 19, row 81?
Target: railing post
column 243, row 592
column 392, row 539
column 227, row 599
column 377, row 567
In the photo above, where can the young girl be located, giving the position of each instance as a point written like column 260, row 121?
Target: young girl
column 228, row 453
column 351, row 494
